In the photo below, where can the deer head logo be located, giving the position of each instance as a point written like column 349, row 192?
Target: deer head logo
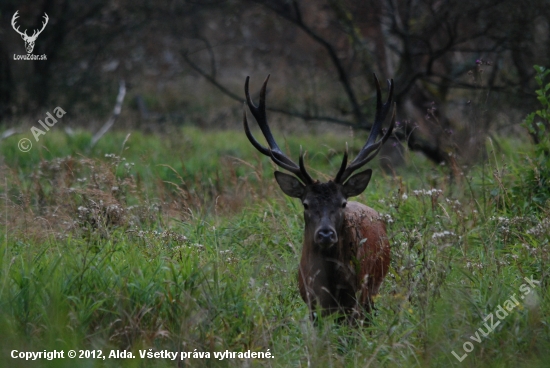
column 29, row 40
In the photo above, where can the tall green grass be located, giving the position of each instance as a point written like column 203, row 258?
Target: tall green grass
column 196, row 249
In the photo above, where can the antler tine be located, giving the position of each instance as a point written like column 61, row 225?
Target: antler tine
column 13, row 19
column 44, row 23
column 371, row 147
column 303, row 170
column 259, row 113
column 300, row 172
column 255, row 143
column 342, row 166
column 381, row 111
column 376, row 147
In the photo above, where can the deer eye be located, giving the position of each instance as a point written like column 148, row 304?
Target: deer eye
column 344, row 204
column 306, row 206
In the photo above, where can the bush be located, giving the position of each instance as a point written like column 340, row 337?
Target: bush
column 534, row 177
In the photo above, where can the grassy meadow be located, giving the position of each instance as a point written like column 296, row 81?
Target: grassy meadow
column 183, row 242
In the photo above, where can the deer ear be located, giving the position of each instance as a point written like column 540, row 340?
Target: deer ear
column 291, row 186
column 357, row 183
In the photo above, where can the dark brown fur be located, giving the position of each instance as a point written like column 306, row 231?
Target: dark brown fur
column 345, row 277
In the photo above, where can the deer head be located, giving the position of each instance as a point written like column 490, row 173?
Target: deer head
column 29, row 40
column 324, row 203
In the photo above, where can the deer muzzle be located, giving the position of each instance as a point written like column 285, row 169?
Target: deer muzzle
column 326, row 236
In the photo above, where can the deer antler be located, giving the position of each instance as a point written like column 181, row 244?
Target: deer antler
column 36, row 33
column 273, row 151
column 370, row 149
column 24, row 34
column 13, row 19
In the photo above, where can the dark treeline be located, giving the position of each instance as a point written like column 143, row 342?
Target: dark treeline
column 462, row 68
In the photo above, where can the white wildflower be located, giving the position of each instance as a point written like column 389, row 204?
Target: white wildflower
column 442, row 234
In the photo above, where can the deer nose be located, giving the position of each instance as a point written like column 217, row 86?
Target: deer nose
column 326, row 236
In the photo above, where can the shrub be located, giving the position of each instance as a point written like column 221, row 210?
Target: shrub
column 534, row 177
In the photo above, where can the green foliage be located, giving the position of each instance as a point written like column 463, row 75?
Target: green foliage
column 543, row 95
column 535, row 174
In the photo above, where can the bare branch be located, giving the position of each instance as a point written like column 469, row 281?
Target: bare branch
column 296, row 114
column 116, row 112
column 342, row 75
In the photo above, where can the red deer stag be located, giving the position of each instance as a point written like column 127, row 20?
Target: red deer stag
column 346, row 253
